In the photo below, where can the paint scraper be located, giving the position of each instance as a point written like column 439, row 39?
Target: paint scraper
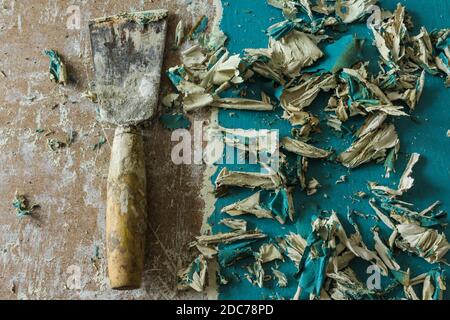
column 127, row 52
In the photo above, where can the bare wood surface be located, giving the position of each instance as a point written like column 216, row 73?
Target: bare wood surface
column 40, row 256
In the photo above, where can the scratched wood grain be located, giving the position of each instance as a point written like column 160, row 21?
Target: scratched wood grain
column 40, row 256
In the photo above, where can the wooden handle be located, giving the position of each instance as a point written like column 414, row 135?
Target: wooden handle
column 126, row 210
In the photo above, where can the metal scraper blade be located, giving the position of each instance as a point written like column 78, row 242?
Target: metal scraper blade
column 127, row 52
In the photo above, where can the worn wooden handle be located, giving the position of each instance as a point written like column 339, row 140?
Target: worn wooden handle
column 126, row 210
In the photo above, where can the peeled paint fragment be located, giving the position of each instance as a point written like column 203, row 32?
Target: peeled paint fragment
column 196, row 101
column 342, row 179
column 389, row 163
column 422, row 52
column 280, row 204
column 328, row 246
column 251, row 141
column 309, row 124
column 179, row 34
column 346, row 286
column 334, row 123
column 302, row 169
column 386, row 190
column 231, row 253
column 225, row 69
column 372, row 123
column 193, row 56
column 352, row 10
column 444, row 65
column 384, row 218
column 434, row 285
column 303, row 149
column 58, row 71
column 188, row 88
column 235, row 224
column 207, row 251
column 402, row 212
column 256, row 275
column 330, row 229
column 312, row 187
column 371, row 146
column 268, row 252
column 384, row 252
column 430, row 208
column 324, row 7
column 267, row 181
column 171, row 100
column 427, row 243
column 288, row 7
column 176, row 75
column 295, row 99
column 341, row 259
column 355, row 244
column 441, row 40
column 294, row 52
column 363, row 93
column 390, row 109
column 216, row 39
column 406, row 180
column 409, row 94
column 229, row 237
column 242, row 104
column 391, row 36
column 408, row 283
column 22, row 206
column 280, row 278
column 280, row 29
column 426, row 218
column 193, row 276
column 318, row 29
column 250, row 205
column 301, row 118
column 313, row 268
column 293, row 246
column 260, row 61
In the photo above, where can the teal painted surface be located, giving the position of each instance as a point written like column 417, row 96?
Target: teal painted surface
column 175, row 121
column 245, row 22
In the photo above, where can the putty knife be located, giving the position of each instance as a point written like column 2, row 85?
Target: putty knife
column 127, row 52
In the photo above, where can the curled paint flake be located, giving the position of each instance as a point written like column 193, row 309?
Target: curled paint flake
column 22, row 206
column 58, row 71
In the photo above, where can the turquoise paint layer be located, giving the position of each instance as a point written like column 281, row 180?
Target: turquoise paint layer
column 175, row 121
column 245, row 22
